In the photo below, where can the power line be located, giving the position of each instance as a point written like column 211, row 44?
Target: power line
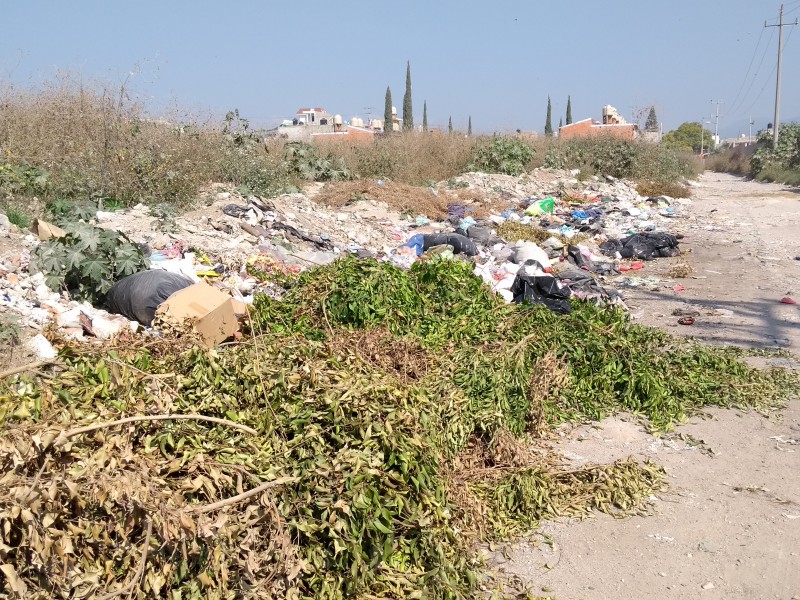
column 756, row 72
column 769, row 78
column 780, row 26
column 750, row 66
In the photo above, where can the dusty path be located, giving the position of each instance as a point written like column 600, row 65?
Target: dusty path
column 743, row 238
column 728, row 527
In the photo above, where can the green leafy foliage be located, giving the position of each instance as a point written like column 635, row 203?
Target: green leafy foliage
column 87, row 261
column 613, row 364
column 18, row 216
column 62, row 211
column 689, row 137
column 383, row 403
column 22, row 178
column 779, row 162
column 501, row 154
column 303, row 160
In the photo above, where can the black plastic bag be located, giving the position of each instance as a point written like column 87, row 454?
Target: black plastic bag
column 645, row 246
column 460, row 243
column 542, row 289
column 137, row 296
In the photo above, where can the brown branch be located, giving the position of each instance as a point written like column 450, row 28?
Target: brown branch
column 243, row 496
column 29, row 367
column 176, row 417
column 139, row 571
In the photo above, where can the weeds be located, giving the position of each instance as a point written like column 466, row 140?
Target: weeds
column 507, row 155
column 18, row 216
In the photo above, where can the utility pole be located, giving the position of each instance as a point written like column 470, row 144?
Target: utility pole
column 780, row 27
column 716, row 122
column 750, row 136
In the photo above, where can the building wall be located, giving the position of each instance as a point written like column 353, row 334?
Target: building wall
column 350, row 134
column 588, row 128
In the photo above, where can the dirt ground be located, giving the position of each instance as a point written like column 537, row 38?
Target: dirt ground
column 728, row 526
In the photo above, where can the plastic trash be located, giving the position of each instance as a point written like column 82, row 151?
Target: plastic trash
column 540, row 207
column 526, row 251
column 466, row 223
column 461, row 244
column 139, row 295
column 416, row 243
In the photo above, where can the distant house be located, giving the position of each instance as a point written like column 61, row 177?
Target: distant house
column 612, row 125
column 312, row 116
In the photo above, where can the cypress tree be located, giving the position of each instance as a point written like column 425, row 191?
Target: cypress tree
column 469, row 126
column 387, row 112
column 560, row 124
column 652, row 122
column 548, row 124
column 425, row 115
column 450, row 125
column 569, row 110
column 408, row 113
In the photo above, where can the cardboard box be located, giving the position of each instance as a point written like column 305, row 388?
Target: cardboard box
column 46, row 230
column 208, row 310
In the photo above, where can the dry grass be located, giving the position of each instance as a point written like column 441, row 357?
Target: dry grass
column 100, row 144
column 731, row 160
column 405, row 198
column 413, row 158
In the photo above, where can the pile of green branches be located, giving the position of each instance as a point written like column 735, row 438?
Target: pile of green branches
column 373, row 427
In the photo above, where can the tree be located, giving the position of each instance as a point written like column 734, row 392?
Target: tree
column 560, row 124
column 652, row 122
column 689, row 137
column 469, row 126
column 425, row 115
column 388, row 122
column 569, row 110
column 548, row 124
column 408, row 113
column 450, row 125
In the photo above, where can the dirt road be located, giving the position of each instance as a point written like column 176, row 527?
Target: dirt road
column 729, row 524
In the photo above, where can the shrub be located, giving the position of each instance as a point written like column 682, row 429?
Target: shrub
column 501, row 154
column 778, row 163
column 87, row 261
column 18, row 216
column 605, row 155
column 732, row 160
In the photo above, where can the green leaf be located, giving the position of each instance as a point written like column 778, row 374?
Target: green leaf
column 96, row 268
column 128, row 260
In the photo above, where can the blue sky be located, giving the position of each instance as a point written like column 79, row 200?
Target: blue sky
column 494, row 61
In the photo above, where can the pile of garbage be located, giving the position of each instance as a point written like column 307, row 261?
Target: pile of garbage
column 550, row 239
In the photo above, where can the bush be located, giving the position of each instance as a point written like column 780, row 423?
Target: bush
column 606, row 155
column 501, row 154
column 87, row 261
column 732, row 160
column 779, row 163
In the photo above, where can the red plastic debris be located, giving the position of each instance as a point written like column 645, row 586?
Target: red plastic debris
column 678, row 288
column 787, row 300
column 634, row 266
column 686, row 321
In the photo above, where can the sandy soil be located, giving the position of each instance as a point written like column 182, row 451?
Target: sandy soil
column 729, row 524
column 742, row 238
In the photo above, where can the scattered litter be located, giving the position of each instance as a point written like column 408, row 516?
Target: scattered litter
column 686, row 321
column 787, row 300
